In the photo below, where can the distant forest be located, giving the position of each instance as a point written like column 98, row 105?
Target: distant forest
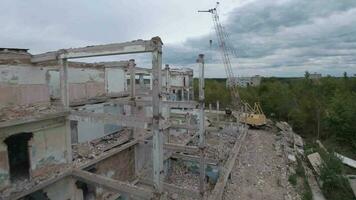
column 324, row 108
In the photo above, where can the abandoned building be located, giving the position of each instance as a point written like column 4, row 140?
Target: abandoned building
column 245, row 81
column 104, row 130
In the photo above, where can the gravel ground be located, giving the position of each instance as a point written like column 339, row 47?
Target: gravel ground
column 260, row 173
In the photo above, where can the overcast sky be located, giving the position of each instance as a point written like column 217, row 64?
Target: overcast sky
column 271, row 37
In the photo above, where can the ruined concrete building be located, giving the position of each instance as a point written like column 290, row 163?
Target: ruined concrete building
column 105, row 130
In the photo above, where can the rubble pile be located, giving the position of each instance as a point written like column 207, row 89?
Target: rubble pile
column 182, row 176
column 291, row 142
column 23, row 111
column 26, row 184
column 265, row 163
column 84, row 152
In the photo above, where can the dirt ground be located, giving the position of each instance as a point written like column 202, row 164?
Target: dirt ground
column 260, row 171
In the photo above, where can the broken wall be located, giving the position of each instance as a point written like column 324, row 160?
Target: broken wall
column 115, row 81
column 47, row 147
column 118, row 167
column 84, row 83
column 90, row 130
column 22, row 85
column 64, row 189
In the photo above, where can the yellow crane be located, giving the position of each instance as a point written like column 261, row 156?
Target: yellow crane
column 252, row 116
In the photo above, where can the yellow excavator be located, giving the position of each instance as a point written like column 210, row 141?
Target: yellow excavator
column 245, row 113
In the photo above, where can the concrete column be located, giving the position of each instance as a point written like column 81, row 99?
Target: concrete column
column 167, row 84
column 63, row 73
column 157, row 132
column 218, row 109
column 141, row 81
column 210, row 108
column 132, row 78
column 182, row 94
column 202, row 141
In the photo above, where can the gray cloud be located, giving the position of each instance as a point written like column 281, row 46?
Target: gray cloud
column 287, row 37
column 271, row 37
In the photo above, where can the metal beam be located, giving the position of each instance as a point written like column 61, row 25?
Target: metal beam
column 121, row 120
column 111, row 184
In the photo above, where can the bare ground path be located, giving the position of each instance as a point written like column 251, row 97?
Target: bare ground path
column 260, row 171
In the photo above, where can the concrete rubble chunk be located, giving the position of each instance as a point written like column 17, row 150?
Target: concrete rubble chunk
column 316, row 161
column 347, row 161
column 284, row 126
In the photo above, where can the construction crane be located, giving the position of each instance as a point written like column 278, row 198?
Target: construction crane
column 253, row 116
column 225, row 50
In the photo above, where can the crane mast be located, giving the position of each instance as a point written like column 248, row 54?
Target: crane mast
column 225, row 51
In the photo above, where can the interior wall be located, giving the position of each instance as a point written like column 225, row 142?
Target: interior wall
column 83, row 83
column 4, row 166
column 47, row 147
column 90, row 130
column 23, row 84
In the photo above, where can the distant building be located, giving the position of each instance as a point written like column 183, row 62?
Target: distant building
column 315, row 76
column 245, row 81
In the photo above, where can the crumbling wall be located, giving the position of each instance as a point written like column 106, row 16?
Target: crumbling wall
column 119, row 167
column 22, row 85
column 91, row 130
column 47, row 147
column 84, row 83
column 64, row 189
column 115, row 80
column 4, row 166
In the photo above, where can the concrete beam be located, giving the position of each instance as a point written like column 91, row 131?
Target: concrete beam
column 137, row 46
column 193, row 158
column 184, row 126
column 181, row 104
column 181, row 148
column 121, row 120
column 40, row 117
column 115, row 185
column 141, row 102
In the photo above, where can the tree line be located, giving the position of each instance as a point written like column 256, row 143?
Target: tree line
column 322, row 108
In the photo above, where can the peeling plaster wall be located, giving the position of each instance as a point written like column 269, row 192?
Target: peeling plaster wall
column 83, row 83
column 119, row 167
column 21, row 85
column 4, row 166
column 116, row 80
column 64, row 189
column 47, row 147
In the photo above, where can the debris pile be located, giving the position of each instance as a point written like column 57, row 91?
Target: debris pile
column 23, row 111
column 26, row 184
column 84, row 152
